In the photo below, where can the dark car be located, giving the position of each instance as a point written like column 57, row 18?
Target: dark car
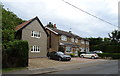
column 58, row 56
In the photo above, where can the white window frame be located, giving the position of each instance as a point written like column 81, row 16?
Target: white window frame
column 76, row 40
column 35, row 34
column 82, row 42
column 87, row 42
column 35, row 49
column 72, row 39
column 67, row 49
column 63, row 38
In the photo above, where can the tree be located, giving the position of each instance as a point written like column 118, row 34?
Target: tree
column 9, row 22
column 115, row 36
column 50, row 25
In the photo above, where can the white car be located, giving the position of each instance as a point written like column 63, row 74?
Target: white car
column 91, row 55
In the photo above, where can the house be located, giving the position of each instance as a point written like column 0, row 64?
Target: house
column 34, row 32
column 66, row 42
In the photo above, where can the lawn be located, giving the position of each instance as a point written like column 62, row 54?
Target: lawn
column 12, row 69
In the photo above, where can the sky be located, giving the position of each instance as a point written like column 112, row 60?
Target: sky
column 68, row 18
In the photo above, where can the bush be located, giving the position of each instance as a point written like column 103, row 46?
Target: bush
column 72, row 54
column 15, row 54
column 112, row 55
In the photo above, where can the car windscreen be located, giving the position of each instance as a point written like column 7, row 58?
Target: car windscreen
column 60, row 53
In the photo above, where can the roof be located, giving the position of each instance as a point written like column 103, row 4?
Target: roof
column 61, row 32
column 23, row 25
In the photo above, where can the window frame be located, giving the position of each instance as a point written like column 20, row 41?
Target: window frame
column 35, row 49
column 36, row 34
column 63, row 38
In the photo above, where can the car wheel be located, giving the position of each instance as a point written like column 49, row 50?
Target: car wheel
column 92, row 57
column 59, row 59
column 82, row 56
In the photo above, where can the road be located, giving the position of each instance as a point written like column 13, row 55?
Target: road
column 110, row 67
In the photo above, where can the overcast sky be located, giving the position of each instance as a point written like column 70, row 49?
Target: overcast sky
column 66, row 16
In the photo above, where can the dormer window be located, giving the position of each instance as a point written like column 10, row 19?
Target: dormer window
column 36, row 34
column 63, row 38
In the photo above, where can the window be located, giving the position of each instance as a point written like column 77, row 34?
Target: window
column 87, row 42
column 76, row 40
column 72, row 39
column 68, row 49
column 82, row 41
column 35, row 49
column 36, row 34
column 82, row 50
column 63, row 37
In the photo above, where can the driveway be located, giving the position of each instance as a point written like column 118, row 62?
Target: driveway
column 46, row 63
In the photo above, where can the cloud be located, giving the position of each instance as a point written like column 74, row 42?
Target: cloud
column 66, row 16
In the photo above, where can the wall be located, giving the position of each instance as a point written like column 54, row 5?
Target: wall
column 41, row 42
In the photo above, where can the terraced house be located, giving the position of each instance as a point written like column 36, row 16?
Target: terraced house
column 66, row 42
column 34, row 32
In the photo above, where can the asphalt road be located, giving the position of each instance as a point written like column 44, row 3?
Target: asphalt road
column 110, row 67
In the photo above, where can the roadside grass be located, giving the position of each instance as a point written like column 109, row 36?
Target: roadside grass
column 12, row 69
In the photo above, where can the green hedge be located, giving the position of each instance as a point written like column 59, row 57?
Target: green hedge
column 112, row 55
column 15, row 54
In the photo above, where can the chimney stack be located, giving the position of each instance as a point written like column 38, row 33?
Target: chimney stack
column 54, row 26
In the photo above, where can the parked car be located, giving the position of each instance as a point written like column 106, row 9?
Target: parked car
column 91, row 55
column 58, row 56
column 97, row 51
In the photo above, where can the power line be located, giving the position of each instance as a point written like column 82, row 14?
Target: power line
column 89, row 13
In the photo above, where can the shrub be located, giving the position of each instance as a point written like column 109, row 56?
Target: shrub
column 72, row 54
column 112, row 55
column 15, row 54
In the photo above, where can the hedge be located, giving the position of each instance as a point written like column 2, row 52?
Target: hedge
column 15, row 54
column 112, row 55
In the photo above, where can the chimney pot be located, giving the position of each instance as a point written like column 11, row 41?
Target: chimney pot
column 54, row 26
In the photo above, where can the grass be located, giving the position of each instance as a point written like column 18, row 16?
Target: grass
column 12, row 69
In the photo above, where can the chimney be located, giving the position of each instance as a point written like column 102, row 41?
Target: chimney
column 54, row 26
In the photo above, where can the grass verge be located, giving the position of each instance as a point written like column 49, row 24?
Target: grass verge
column 12, row 69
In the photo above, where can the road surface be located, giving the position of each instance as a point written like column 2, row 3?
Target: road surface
column 110, row 67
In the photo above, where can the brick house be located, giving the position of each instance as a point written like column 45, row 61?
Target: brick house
column 66, row 42
column 34, row 32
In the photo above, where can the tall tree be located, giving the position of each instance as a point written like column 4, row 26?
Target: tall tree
column 115, row 36
column 9, row 22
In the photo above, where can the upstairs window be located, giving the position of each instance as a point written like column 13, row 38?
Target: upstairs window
column 36, row 34
column 87, row 42
column 63, row 38
column 82, row 42
column 72, row 39
column 76, row 40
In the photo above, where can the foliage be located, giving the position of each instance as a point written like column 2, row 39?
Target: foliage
column 15, row 54
column 104, row 44
column 112, row 55
column 50, row 25
column 115, row 36
column 72, row 55
column 12, row 69
column 9, row 22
